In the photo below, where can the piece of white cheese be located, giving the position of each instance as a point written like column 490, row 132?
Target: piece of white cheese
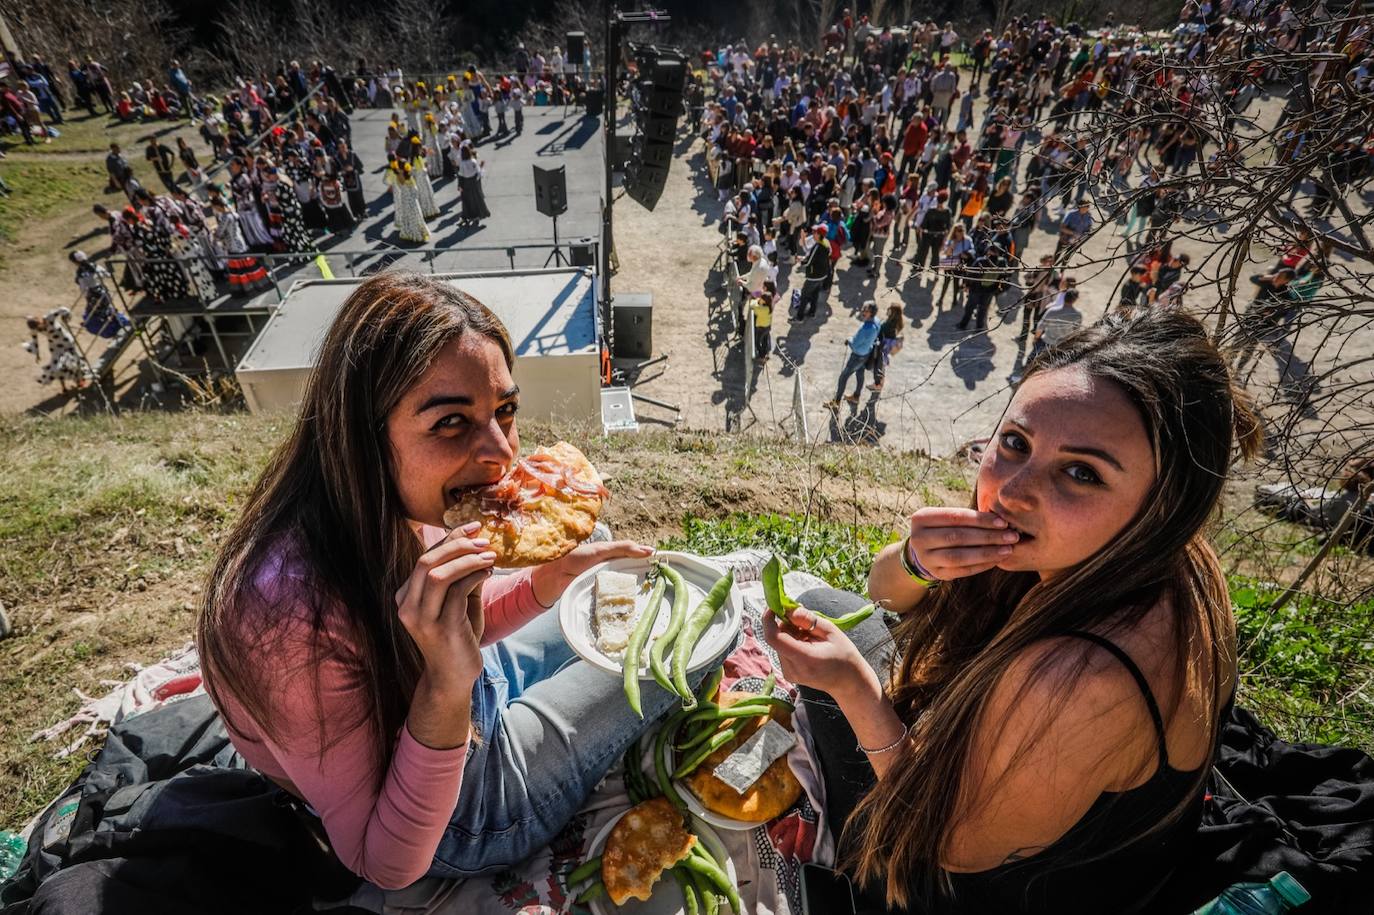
column 752, row 758
column 615, row 612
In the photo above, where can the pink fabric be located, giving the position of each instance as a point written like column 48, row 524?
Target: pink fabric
column 386, row 835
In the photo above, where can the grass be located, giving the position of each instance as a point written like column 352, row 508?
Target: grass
column 41, row 187
column 108, row 526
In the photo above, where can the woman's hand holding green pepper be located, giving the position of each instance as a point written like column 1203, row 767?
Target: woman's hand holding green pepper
column 775, row 594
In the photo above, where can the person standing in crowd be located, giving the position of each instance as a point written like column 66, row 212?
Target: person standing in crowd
column 1060, row 319
column 762, row 316
column 163, row 161
column 815, row 269
column 1074, row 229
column 470, row 187
column 189, row 161
column 1270, row 309
column 934, row 224
column 955, row 257
column 118, row 168
column 888, row 345
column 182, row 84
column 860, row 346
column 1040, row 285
column 350, row 169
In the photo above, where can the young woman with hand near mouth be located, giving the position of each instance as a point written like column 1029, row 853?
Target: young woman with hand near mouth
column 364, row 659
column 1040, row 723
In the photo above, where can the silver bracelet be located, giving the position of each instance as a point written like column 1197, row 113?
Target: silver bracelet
column 892, row 746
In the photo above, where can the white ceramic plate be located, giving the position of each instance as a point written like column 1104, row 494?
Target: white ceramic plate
column 576, row 605
column 667, row 896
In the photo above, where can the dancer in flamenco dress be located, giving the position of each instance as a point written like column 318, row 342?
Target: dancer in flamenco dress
column 284, row 215
column 246, row 273
column 410, row 222
column 248, row 206
column 186, row 249
column 162, row 277
column 428, row 205
column 434, row 159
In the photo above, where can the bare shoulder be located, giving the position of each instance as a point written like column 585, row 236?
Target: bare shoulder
column 1063, row 724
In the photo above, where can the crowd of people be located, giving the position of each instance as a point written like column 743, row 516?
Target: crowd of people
column 291, row 175
column 872, row 146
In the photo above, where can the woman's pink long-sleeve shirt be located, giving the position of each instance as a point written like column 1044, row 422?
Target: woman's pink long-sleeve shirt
column 385, row 832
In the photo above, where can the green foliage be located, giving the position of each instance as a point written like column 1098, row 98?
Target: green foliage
column 839, row 553
column 1302, row 665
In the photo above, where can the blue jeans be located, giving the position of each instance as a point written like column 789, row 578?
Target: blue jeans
column 855, row 363
column 550, row 727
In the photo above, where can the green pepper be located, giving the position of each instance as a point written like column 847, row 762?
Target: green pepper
column 595, row 891
column 692, row 631
column 676, row 617
column 782, row 605
column 710, row 902
column 687, row 884
column 708, row 868
column 585, row 871
column 718, row 740
column 665, row 783
column 630, row 664
column 773, row 592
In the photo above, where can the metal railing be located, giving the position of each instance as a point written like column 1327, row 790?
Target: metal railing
column 281, row 265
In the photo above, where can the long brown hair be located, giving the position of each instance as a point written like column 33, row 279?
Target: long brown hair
column 961, row 641
column 327, row 498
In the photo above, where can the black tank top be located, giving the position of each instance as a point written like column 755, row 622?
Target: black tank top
column 1063, row 878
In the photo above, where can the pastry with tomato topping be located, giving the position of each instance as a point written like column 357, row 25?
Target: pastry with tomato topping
column 546, row 504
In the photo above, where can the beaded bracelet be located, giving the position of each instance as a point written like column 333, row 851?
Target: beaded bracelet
column 892, row 746
column 914, row 569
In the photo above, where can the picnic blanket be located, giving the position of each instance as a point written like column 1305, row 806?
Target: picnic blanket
column 767, row 859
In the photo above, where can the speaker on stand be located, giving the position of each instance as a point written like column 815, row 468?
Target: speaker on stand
column 551, row 199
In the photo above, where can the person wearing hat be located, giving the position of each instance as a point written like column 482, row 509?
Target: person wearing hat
column 815, row 269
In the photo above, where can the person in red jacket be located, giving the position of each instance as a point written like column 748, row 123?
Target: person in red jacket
column 913, row 141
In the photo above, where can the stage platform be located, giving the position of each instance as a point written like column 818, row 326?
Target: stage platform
column 516, row 236
column 550, row 315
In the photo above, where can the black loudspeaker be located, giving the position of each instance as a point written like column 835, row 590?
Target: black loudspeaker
column 632, row 323
column 551, row 190
column 653, row 153
column 582, row 253
column 658, row 104
column 596, row 102
column 645, row 185
column 575, row 50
